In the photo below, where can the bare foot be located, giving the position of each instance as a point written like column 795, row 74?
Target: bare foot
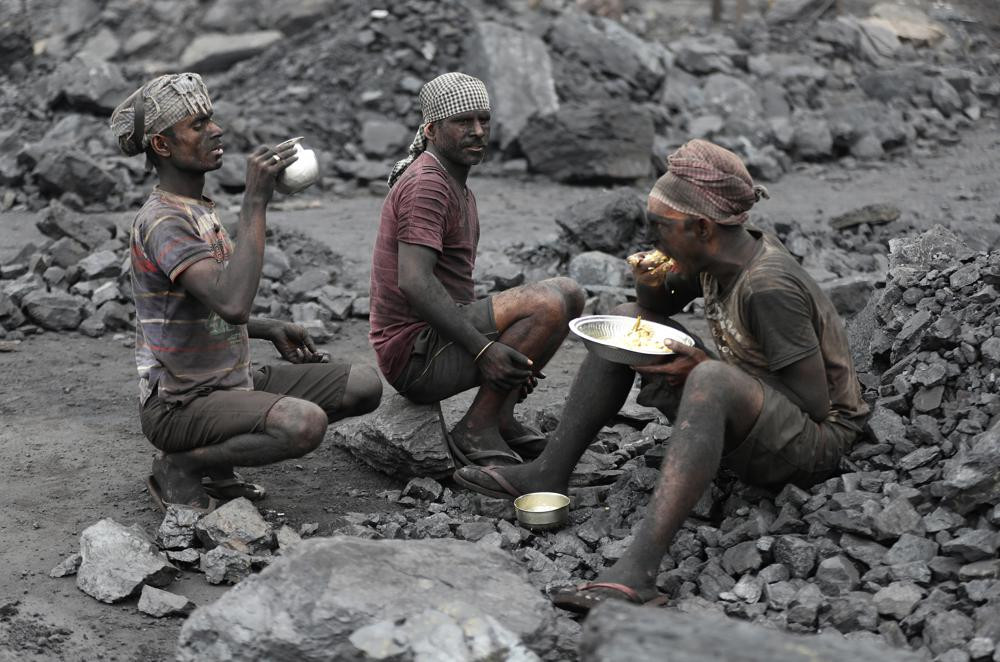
column 177, row 485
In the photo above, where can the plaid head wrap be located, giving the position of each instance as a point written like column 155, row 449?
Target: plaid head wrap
column 708, row 181
column 156, row 106
column 447, row 95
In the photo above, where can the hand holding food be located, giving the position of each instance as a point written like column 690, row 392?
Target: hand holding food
column 650, row 267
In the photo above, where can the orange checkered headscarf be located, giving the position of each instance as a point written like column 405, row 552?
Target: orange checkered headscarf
column 708, row 181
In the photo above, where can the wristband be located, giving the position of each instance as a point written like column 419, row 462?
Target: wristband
column 485, row 347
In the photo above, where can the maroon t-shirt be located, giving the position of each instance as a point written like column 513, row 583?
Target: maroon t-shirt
column 425, row 208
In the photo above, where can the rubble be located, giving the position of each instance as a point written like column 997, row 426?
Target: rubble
column 117, row 561
column 236, row 525
column 157, row 603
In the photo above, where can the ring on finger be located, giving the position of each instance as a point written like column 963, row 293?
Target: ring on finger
column 276, row 157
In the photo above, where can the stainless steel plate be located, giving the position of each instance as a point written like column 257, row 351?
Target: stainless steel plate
column 604, row 335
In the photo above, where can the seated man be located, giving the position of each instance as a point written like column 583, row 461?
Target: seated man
column 783, row 404
column 432, row 337
column 202, row 403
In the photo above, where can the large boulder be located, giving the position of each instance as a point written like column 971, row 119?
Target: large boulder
column 72, row 171
column 518, row 72
column 87, row 83
column 91, row 230
column 346, row 598
column 55, row 311
column 616, row 632
column 607, row 222
column 118, row 560
column 596, row 141
column 972, row 477
column 400, row 438
column 217, row 52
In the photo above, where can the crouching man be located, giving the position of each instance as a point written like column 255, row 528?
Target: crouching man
column 781, row 405
column 202, row 402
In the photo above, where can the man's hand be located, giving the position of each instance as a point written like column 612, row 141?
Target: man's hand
column 294, row 344
column 650, row 268
column 675, row 370
column 529, row 386
column 263, row 169
column 504, row 368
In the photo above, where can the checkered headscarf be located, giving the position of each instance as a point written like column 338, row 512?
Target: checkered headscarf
column 708, row 181
column 165, row 101
column 447, row 95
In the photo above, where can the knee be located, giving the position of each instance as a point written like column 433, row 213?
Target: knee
column 574, row 297
column 710, row 379
column 363, row 393
column 558, row 301
column 305, row 428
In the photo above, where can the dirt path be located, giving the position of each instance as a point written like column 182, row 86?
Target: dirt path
column 71, row 451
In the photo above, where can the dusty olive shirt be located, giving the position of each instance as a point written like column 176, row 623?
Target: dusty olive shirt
column 181, row 345
column 775, row 314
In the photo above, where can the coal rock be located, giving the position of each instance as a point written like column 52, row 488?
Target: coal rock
column 55, row 311
column 177, row 528
column 217, row 51
column 606, row 223
column 596, row 141
column 88, row 84
column 277, row 613
column 837, row 575
column 63, row 170
column 969, row 478
column 797, row 553
column 116, row 561
column 224, row 565
column 67, row 566
column 157, row 603
column 237, row 525
column 898, row 599
column 974, row 545
column 946, row 630
column 423, row 489
column 596, row 268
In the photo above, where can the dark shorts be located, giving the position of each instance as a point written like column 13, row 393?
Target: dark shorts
column 221, row 415
column 784, row 445
column 439, row 368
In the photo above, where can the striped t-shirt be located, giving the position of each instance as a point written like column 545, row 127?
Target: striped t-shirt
column 182, row 347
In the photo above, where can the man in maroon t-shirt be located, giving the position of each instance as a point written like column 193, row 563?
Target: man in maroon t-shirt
column 201, row 402
column 432, row 337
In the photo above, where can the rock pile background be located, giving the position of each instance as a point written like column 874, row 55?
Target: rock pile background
column 578, row 97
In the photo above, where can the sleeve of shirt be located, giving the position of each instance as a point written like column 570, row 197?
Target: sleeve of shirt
column 174, row 245
column 781, row 322
column 423, row 212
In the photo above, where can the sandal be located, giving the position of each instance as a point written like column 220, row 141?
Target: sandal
column 475, row 458
column 157, row 494
column 580, row 602
column 227, row 489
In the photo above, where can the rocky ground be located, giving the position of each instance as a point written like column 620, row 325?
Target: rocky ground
column 872, row 134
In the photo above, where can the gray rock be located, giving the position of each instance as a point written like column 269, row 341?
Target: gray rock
column 804, row 607
column 187, row 556
column 217, row 52
column 286, row 611
column 898, row 599
column 874, row 214
column 423, row 489
column 107, row 292
column 116, row 561
column 813, row 139
column 102, row 264
column 496, row 268
column 897, row 518
column 596, row 141
column 67, row 252
column 945, row 98
column 625, row 633
column 597, row 268
column 89, row 230
column 853, row 611
column 286, row 537
column 55, row 311
column 704, row 54
column 969, row 479
column 851, row 294
column 937, row 248
column 177, row 528
column 787, row 11
column 517, row 70
column 224, row 565
column 910, row 548
column 237, row 525
column 974, row 545
column 945, row 630
column 798, row 554
column 68, row 566
column 276, row 263
column 742, row 557
column 400, row 438
column 836, row 575
column 308, row 281
column 155, row 602
column 607, row 222
column 380, row 137
column 67, row 170
column 87, row 83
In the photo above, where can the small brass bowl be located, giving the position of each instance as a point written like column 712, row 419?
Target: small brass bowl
column 542, row 510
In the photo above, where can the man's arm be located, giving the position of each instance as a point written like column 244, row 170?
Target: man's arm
column 804, row 382
column 502, row 367
column 229, row 289
column 669, row 296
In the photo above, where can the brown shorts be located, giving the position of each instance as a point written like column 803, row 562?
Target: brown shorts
column 439, row 368
column 221, row 415
column 784, row 445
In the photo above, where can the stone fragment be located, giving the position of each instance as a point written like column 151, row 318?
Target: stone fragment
column 116, row 561
column 225, row 565
column 517, row 69
column 177, row 528
column 596, row 268
column 400, row 438
column 211, row 51
column 596, row 141
column 874, row 214
column 423, row 489
column 741, row 558
column 68, row 566
column 55, row 311
column 945, row 630
column 898, row 599
column 157, row 603
column 88, row 84
column 286, row 537
column 237, row 525
column 625, row 633
column 804, row 607
column 607, row 222
column 886, row 426
column 284, row 612
column 68, row 170
column 910, row 548
column 798, row 554
column 57, row 222
column 102, row 264
column 852, row 612
column 969, row 479
column 836, row 575
column 897, row 518
column 187, row 556
column 974, row 545
column 381, row 137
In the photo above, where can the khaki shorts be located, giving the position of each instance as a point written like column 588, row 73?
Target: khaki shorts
column 439, row 368
column 221, row 415
column 784, row 445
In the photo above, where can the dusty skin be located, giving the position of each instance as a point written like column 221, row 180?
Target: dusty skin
column 71, row 451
